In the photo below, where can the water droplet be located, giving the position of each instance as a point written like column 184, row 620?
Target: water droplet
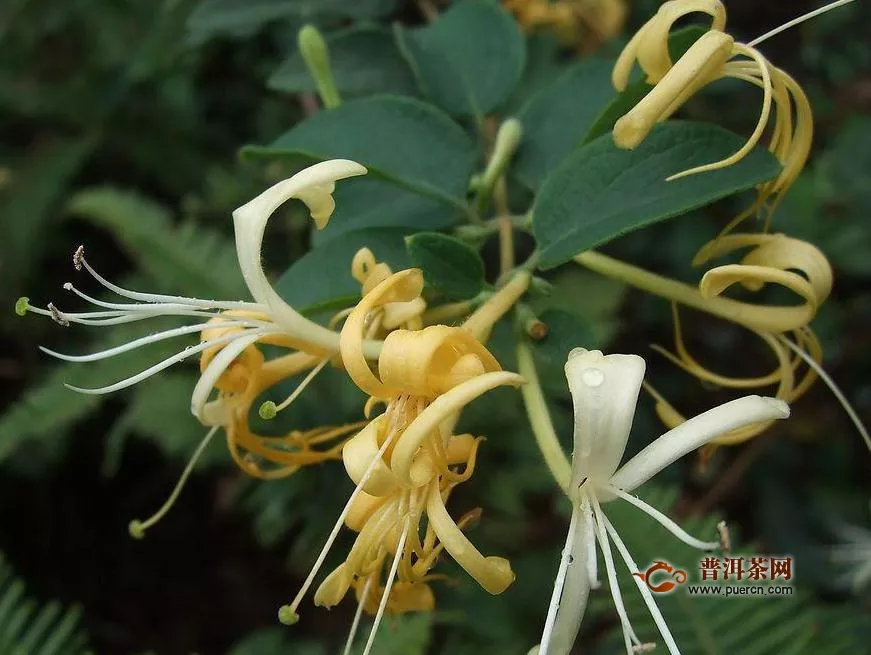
column 593, row 377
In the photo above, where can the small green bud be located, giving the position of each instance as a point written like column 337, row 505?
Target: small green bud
column 287, row 616
column 21, row 305
column 268, row 410
column 135, row 529
column 316, row 55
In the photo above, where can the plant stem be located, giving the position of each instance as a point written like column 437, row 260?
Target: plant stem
column 539, row 418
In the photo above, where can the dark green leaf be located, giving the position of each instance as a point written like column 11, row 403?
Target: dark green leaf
column 363, row 59
column 449, row 265
column 600, row 192
column 565, row 331
column 469, row 60
column 402, row 140
column 243, row 17
column 557, row 117
column 325, row 273
column 365, row 202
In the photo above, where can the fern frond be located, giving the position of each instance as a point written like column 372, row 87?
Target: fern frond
column 188, row 258
column 28, row 627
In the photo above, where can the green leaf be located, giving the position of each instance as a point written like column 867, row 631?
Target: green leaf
column 601, row 192
column 469, row 60
column 188, row 258
column 407, row 634
column 565, row 331
column 31, row 628
column 363, row 59
column 557, row 117
column 366, row 202
column 325, row 273
column 214, row 18
column 449, row 265
column 401, row 140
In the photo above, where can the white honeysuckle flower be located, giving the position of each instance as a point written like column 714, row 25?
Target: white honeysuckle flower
column 238, row 324
column 605, row 391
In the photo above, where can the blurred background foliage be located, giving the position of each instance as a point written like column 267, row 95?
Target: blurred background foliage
column 121, row 124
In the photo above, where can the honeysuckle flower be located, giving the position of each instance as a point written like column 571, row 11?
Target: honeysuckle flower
column 716, row 55
column 407, row 460
column 776, row 259
column 605, row 391
column 773, row 259
column 584, row 23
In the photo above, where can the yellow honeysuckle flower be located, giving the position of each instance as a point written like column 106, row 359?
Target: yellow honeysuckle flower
column 716, row 55
column 407, row 460
column 585, row 23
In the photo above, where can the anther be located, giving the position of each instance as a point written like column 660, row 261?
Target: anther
column 79, row 257
column 57, row 316
column 725, row 537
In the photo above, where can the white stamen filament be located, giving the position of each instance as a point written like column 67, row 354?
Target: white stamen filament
column 357, row 615
column 630, row 639
column 559, row 583
column 160, row 298
column 830, row 383
column 799, row 20
column 386, row 595
column 301, row 386
column 291, row 610
column 148, row 339
column 169, row 361
column 590, row 536
column 642, row 587
column 220, row 362
column 665, row 522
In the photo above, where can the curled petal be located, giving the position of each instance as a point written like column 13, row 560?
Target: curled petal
column 433, row 360
column 493, row 573
column 361, row 509
column 773, row 261
column 428, row 421
column 312, row 185
column 334, row 587
column 399, row 287
column 695, row 433
column 359, row 453
column 604, row 393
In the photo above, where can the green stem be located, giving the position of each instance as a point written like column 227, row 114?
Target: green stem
column 539, row 418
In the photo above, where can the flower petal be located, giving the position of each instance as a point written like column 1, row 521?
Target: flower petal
column 604, row 391
column 694, row 433
column 310, row 185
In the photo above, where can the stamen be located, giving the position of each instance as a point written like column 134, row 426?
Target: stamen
column 269, row 410
column 57, row 316
column 630, row 639
column 558, row 584
column 143, row 341
column 725, row 537
column 642, row 587
column 357, row 615
column 799, row 20
column 665, row 522
column 166, row 363
column 830, row 383
column 78, row 257
column 160, row 298
column 590, row 536
column 137, row 528
column 386, row 595
column 288, row 614
column 22, row 305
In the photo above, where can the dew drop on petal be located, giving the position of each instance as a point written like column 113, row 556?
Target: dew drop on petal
column 593, row 377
